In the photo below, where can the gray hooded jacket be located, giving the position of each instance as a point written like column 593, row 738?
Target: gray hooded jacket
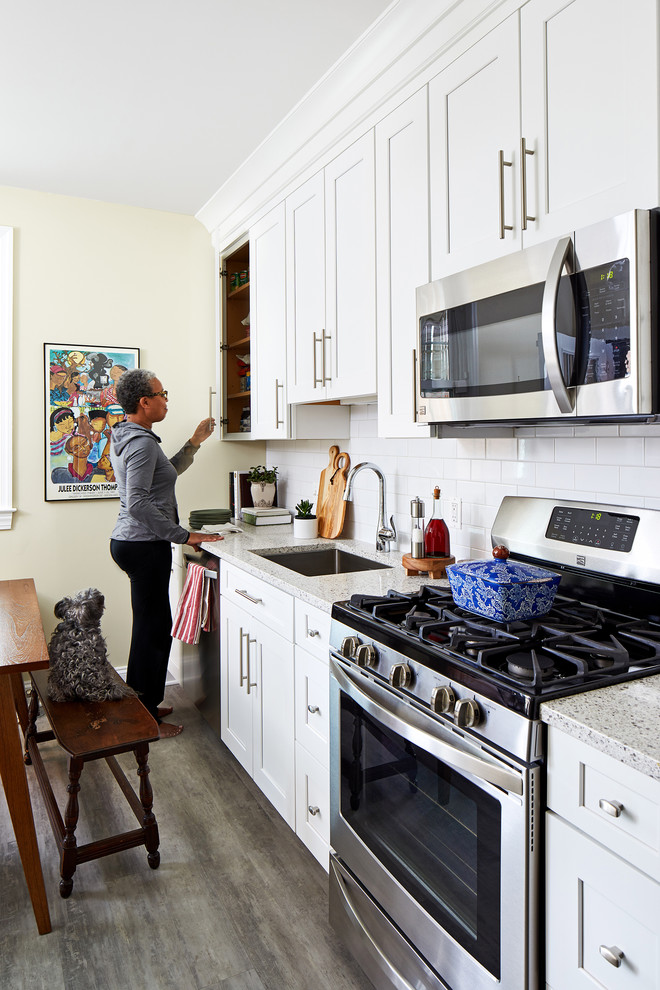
column 146, row 479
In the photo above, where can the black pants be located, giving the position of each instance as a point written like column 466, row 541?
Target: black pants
column 148, row 565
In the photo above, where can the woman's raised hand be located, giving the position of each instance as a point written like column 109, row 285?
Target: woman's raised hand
column 203, row 431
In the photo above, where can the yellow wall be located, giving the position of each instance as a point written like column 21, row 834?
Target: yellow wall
column 94, row 273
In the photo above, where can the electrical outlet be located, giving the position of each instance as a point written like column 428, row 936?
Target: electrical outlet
column 455, row 513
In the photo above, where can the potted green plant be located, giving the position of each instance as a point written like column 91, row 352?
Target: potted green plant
column 262, row 485
column 304, row 521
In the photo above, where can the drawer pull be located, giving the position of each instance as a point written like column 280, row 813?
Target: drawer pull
column 244, row 594
column 613, row 808
column 313, row 632
column 312, row 709
column 611, row 954
column 314, row 810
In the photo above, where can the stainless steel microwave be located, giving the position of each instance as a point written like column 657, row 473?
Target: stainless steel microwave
column 560, row 331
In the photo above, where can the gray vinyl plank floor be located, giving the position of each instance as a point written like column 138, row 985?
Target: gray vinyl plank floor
column 238, row 903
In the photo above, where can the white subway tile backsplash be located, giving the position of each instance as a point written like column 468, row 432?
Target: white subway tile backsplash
column 536, row 449
column 616, row 450
column 555, row 475
column 619, row 465
column 595, row 476
column 569, row 450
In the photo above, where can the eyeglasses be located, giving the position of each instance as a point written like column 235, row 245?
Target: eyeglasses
column 162, row 392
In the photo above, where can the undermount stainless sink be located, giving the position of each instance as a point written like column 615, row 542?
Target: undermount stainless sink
column 319, row 561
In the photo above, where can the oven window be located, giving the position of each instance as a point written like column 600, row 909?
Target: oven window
column 436, row 832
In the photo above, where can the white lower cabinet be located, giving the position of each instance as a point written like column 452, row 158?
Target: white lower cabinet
column 275, row 700
column 602, row 897
column 312, row 730
column 257, row 716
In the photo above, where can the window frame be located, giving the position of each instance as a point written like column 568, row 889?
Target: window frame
column 6, row 332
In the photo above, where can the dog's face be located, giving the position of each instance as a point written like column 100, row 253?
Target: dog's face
column 83, row 610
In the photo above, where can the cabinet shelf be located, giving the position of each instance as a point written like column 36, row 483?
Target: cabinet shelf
column 243, row 342
column 240, row 291
column 239, row 395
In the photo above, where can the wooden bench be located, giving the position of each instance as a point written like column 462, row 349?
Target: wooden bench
column 91, row 731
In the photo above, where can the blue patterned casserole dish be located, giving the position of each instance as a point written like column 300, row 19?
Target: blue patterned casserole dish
column 501, row 589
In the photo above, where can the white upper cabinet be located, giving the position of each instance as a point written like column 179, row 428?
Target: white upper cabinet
column 547, row 124
column 268, row 326
column 305, row 251
column 589, row 111
column 402, row 232
column 474, row 119
column 348, row 359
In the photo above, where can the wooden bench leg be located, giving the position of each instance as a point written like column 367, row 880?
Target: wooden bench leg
column 151, row 838
column 69, row 845
column 31, row 731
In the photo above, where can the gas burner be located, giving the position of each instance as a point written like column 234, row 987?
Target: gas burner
column 530, row 666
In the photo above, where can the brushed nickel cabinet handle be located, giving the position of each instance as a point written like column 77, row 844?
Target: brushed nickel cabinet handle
column 240, row 656
column 613, row 808
column 249, row 682
column 278, row 385
column 324, row 336
column 502, row 165
column 414, row 382
column 312, row 709
column 313, row 809
column 523, row 182
column 313, row 632
column 243, row 593
column 316, row 340
column 611, row 954
column 211, row 394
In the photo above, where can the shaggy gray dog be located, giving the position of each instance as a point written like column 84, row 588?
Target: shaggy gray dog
column 79, row 666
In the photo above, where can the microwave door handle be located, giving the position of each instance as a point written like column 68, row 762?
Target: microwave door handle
column 561, row 258
column 381, row 704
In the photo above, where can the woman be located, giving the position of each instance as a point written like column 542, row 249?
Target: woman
column 148, row 524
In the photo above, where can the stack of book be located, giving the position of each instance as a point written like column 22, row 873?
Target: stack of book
column 266, row 517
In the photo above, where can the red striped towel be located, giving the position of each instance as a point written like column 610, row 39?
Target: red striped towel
column 190, row 613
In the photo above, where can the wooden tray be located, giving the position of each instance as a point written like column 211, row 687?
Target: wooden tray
column 433, row 566
column 330, row 506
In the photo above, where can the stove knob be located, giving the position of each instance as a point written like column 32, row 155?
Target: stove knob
column 349, row 646
column 400, row 675
column 443, row 700
column 366, row 656
column 467, row 713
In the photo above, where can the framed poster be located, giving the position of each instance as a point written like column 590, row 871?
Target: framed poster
column 81, row 409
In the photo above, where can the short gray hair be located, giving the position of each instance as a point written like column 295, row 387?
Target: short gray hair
column 132, row 386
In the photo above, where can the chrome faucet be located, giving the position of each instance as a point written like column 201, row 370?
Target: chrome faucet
column 384, row 534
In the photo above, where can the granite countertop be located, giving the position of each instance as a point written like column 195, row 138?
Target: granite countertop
column 237, row 548
column 622, row 721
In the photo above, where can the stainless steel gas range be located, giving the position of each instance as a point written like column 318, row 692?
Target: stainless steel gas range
column 437, row 747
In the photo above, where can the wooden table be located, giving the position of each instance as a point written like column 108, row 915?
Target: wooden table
column 22, row 648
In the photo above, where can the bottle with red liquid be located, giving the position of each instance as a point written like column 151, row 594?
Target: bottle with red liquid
column 436, row 535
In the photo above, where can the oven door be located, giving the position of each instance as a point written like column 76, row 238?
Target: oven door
column 438, row 831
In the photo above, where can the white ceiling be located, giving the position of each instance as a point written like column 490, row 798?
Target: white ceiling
column 155, row 103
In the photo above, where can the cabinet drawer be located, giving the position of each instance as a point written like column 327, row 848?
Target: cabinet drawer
column 597, row 903
column 313, row 805
column 614, row 803
column 312, row 629
column 270, row 605
column 312, row 705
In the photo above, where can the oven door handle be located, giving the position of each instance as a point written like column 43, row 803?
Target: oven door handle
column 562, row 257
column 378, row 702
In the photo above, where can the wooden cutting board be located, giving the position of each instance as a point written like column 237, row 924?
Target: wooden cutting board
column 330, row 505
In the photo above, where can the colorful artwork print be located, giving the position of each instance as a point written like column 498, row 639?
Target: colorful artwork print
column 81, row 409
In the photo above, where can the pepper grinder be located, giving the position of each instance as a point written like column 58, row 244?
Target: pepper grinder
column 417, row 528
